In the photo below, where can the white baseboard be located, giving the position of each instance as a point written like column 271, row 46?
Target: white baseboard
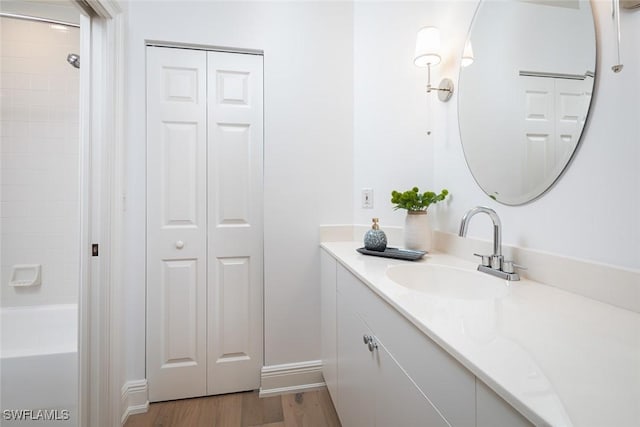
column 275, row 380
column 291, row 378
column 135, row 399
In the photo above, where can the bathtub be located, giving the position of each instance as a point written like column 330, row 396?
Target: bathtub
column 39, row 363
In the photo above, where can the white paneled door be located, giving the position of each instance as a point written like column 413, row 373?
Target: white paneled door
column 234, row 325
column 204, row 222
column 176, row 223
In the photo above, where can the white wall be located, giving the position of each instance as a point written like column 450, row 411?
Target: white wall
column 308, row 108
column 40, row 168
column 592, row 212
column 393, row 114
column 344, row 109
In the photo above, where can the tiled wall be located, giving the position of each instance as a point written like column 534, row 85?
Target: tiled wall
column 39, row 211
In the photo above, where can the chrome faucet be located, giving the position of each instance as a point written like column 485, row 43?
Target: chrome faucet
column 493, row 264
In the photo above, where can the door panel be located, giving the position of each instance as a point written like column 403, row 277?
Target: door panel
column 232, row 310
column 235, row 260
column 233, row 164
column 571, row 96
column 179, row 293
column 356, row 370
column 493, row 411
column 176, row 223
column 539, row 130
column 179, row 174
column 405, row 404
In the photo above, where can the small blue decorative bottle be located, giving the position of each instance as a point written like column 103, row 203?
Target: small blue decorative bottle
column 375, row 239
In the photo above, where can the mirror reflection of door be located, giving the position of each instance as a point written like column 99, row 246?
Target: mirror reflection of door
column 523, row 103
column 553, row 117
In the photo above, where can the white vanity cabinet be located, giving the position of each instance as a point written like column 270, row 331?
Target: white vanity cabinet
column 422, row 363
column 373, row 390
column 408, row 380
column 356, row 371
column 328, row 338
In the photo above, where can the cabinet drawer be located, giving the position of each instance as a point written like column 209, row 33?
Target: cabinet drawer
column 448, row 384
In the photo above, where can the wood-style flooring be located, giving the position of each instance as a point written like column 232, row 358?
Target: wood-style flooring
column 308, row 409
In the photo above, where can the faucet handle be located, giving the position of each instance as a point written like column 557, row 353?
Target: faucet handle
column 510, row 266
column 485, row 260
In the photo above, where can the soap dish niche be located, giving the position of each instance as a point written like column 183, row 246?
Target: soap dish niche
column 26, row 275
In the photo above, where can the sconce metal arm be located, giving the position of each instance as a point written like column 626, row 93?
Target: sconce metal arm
column 445, row 89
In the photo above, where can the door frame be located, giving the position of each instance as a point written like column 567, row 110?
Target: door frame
column 101, row 190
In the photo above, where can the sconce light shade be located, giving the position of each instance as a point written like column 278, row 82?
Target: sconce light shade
column 467, row 54
column 427, row 47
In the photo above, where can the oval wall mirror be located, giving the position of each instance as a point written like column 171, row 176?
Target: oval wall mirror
column 524, row 100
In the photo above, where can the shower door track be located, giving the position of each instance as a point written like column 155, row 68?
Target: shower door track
column 38, row 19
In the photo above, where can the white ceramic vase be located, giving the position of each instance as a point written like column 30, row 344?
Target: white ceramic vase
column 417, row 231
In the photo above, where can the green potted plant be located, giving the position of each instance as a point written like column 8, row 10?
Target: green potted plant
column 417, row 231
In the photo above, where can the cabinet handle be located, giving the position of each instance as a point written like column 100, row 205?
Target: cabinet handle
column 368, row 340
column 179, row 244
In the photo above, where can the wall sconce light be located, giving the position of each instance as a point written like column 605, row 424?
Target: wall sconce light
column 467, row 54
column 427, row 55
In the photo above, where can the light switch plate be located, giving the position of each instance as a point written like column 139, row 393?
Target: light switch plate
column 367, row 198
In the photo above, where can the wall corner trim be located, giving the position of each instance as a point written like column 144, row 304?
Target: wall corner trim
column 291, row 378
column 134, row 399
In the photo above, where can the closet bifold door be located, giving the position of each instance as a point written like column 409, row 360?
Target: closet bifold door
column 176, row 223
column 235, row 224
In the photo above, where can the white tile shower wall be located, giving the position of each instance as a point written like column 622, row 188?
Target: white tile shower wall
column 39, row 170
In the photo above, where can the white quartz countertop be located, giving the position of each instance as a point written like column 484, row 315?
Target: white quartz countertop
column 559, row 358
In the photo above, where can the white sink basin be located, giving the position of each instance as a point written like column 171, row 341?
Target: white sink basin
column 448, row 282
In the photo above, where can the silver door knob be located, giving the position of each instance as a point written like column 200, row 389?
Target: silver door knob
column 179, row 244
